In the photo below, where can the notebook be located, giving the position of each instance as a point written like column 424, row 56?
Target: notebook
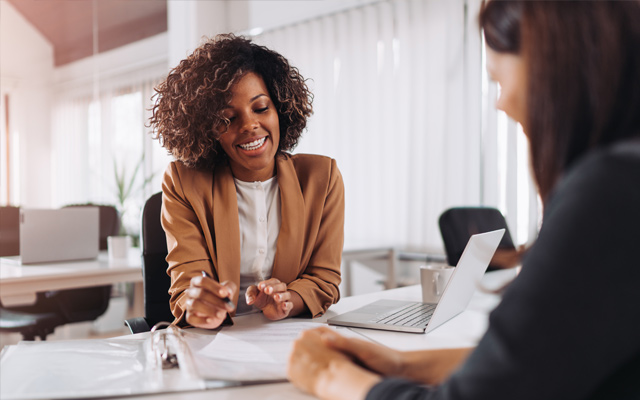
column 418, row 317
column 65, row 234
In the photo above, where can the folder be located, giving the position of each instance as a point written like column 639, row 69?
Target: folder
column 168, row 360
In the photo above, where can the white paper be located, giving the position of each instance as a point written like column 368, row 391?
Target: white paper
column 254, row 349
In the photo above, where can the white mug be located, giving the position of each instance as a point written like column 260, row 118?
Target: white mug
column 434, row 279
column 118, row 247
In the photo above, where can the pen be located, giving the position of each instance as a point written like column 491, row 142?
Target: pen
column 226, row 299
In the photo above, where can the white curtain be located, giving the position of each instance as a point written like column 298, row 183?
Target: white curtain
column 399, row 104
column 389, row 88
column 95, row 136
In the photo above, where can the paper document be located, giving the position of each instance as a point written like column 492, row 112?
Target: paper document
column 252, row 350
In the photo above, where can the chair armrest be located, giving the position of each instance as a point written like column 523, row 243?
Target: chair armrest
column 137, row 325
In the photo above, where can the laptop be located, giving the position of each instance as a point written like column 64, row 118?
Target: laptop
column 418, row 317
column 65, row 234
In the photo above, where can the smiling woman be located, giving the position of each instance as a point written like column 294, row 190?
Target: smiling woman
column 266, row 227
column 252, row 137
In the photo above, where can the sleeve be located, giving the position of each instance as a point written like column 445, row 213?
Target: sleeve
column 397, row 389
column 566, row 326
column 318, row 284
column 187, row 250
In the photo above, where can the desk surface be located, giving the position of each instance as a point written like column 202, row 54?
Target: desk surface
column 20, row 283
column 463, row 330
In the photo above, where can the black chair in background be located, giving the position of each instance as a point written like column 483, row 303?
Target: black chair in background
column 459, row 223
column 154, row 269
column 60, row 307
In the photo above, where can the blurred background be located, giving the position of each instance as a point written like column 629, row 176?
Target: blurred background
column 402, row 102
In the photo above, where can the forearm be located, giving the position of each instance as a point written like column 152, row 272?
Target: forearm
column 431, row 366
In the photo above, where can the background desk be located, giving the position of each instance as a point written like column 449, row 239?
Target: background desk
column 463, row 330
column 20, row 283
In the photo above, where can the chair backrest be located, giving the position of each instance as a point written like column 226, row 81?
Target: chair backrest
column 154, row 265
column 109, row 222
column 9, row 231
column 459, row 223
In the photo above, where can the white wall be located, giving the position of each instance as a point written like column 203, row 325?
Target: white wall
column 26, row 73
column 118, row 67
column 273, row 14
column 191, row 20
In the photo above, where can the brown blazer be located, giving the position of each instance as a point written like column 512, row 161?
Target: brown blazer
column 200, row 218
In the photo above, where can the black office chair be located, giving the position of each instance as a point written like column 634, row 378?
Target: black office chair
column 154, row 269
column 459, row 223
column 60, row 307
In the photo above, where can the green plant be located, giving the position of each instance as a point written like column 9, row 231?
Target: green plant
column 126, row 186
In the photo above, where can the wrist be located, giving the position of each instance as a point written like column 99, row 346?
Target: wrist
column 344, row 380
column 400, row 364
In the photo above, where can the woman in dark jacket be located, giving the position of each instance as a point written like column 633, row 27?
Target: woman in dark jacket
column 568, row 326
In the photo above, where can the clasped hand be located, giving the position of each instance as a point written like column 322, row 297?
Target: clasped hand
column 207, row 309
column 270, row 296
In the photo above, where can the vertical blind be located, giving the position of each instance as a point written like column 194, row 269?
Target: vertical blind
column 398, row 104
column 93, row 137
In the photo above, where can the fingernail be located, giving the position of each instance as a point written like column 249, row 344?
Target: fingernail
column 223, row 293
column 221, row 314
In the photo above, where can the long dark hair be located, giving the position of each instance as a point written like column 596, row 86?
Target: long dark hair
column 583, row 60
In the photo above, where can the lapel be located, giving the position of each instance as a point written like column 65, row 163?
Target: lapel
column 226, row 227
column 291, row 237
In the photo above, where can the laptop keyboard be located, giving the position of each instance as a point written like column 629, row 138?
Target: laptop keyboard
column 416, row 314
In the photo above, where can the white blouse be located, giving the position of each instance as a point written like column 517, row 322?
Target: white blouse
column 259, row 217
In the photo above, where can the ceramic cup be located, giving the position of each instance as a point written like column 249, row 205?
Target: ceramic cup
column 434, row 279
column 118, row 247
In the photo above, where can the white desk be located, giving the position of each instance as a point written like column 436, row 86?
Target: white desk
column 463, row 330
column 20, row 283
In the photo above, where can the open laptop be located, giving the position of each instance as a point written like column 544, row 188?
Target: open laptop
column 418, row 317
column 65, row 234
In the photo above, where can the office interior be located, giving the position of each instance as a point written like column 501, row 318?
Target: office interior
column 401, row 100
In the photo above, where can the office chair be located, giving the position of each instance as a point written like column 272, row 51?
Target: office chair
column 154, row 269
column 60, row 307
column 9, row 231
column 459, row 223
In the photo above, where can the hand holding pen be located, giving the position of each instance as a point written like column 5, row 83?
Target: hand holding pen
column 208, row 302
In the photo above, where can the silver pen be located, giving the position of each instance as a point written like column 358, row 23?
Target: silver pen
column 226, row 299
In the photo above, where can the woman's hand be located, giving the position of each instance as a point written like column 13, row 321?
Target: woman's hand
column 505, row 258
column 324, row 372
column 205, row 305
column 427, row 366
column 271, row 296
column 375, row 357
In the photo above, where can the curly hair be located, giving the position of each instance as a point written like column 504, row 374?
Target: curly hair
column 187, row 112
